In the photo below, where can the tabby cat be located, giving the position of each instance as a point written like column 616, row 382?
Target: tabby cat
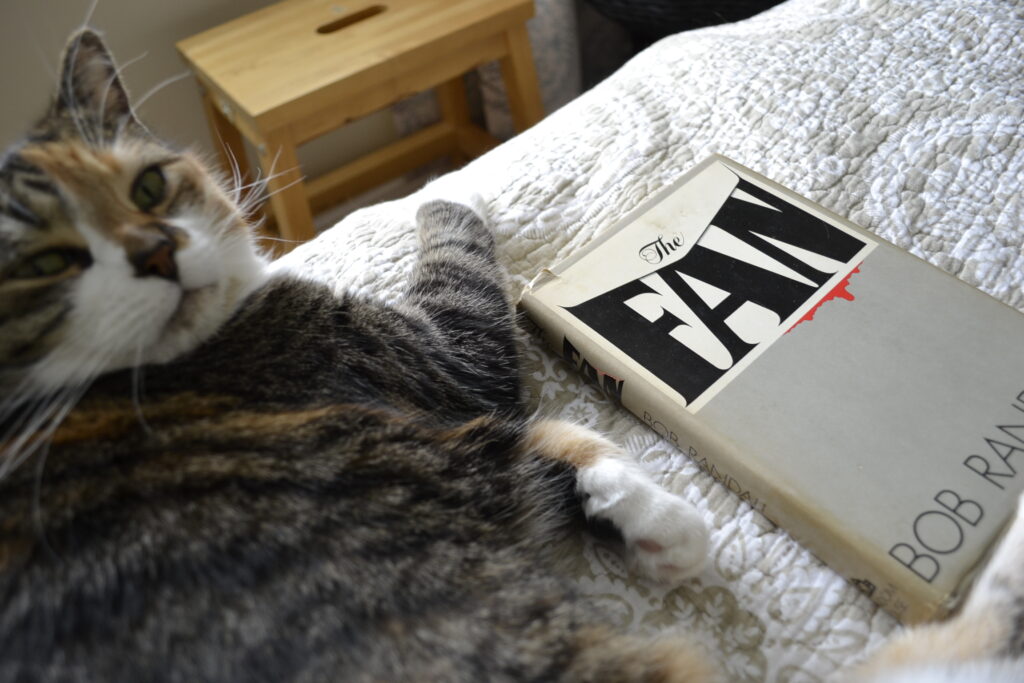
column 240, row 476
column 211, row 473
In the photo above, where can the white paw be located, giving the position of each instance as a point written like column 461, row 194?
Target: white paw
column 666, row 538
column 445, row 189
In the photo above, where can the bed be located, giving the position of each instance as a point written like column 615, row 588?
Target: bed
column 903, row 115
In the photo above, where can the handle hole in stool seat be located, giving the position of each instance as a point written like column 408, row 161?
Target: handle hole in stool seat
column 354, row 18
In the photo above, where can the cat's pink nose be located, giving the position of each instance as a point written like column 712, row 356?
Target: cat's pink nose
column 151, row 251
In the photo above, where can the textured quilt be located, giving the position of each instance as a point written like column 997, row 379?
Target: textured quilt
column 903, row 115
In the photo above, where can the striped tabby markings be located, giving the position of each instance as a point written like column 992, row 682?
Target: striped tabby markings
column 192, row 418
column 665, row 535
column 92, row 173
column 105, row 420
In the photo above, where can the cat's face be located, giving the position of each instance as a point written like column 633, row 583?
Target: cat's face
column 114, row 250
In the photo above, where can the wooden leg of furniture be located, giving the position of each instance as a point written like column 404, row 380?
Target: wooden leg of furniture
column 520, row 78
column 228, row 142
column 455, row 110
column 288, row 199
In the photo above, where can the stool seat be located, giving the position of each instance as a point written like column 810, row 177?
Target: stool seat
column 293, row 71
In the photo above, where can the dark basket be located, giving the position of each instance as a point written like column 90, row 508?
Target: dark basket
column 649, row 20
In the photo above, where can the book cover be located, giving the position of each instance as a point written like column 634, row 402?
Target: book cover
column 867, row 402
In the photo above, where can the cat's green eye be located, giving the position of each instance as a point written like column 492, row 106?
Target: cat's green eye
column 50, row 263
column 149, row 188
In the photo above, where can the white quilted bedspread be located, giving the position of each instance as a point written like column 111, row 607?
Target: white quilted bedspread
column 903, row 115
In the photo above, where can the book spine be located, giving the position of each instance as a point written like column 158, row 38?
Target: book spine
column 883, row 579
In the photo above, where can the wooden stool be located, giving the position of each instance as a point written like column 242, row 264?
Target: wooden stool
column 293, row 71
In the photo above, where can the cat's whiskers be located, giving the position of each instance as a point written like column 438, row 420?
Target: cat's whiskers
column 262, row 182
column 268, row 195
column 26, row 401
column 37, row 507
column 234, row 183
column 253, row 199
column 259, row 195
column 22, row 406
column 60, row 405
column 41, row 420
column 160, row 86
column 248, row 203
column 88, row 14
column 258, row 182
column 268, row 238
column 236, row 176
column 43, row 411
column 68, row 400
column 137, row 389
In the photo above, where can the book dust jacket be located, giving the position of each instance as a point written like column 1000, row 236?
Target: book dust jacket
column 862, row 399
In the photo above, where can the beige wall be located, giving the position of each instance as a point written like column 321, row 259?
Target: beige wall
column 33, row 32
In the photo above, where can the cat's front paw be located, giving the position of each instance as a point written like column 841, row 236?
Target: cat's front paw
column 672, row 544
column 665, row 536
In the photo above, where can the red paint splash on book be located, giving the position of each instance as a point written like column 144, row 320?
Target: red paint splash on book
column 840, row 291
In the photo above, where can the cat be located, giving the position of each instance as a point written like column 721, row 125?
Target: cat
column 210, row 472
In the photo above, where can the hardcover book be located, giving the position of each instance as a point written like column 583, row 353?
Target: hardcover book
column 867, row 402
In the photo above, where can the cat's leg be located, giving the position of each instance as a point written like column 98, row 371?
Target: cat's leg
column 457, row 292
column 989, row 626
column 665, row 535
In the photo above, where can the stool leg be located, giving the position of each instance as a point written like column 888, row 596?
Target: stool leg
column 520, row 78
column 451, row 96
column 288, row 197
column 227, row 141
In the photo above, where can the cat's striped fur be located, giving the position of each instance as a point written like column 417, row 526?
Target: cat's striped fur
column 295, row 486
column 243, row 477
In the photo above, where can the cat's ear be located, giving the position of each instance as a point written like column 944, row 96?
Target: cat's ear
column 89, row 83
